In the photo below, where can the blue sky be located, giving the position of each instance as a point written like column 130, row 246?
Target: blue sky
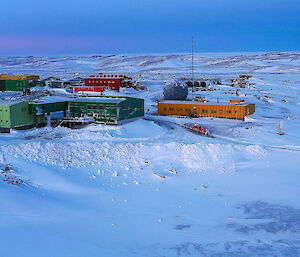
column 148, row 26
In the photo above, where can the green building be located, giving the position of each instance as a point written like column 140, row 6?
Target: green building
column 48, row 105
column 107, row 109
column 15, row 115
column 13, row 85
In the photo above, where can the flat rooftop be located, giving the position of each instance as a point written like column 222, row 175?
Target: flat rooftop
column 49, row 99
column 98, row 99
column 202, row 103
column 10, row 102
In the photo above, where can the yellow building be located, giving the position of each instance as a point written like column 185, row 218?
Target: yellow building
column 5, row 76
column 206, row 109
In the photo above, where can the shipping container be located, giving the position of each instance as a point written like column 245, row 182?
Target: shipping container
column 199, row 109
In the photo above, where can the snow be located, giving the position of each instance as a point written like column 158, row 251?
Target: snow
column 150, row 187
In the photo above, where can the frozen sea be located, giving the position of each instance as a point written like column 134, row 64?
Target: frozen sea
column 150, row 188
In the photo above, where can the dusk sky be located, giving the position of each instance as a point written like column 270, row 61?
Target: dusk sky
column 35, row 27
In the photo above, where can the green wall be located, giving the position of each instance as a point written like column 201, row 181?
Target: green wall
column 42, row 108
column 5, row 116
column 101, row 112
column 16, row 85
column 131, row 108
column 19, row 115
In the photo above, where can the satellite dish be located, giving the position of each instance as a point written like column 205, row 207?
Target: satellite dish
column 175, row 89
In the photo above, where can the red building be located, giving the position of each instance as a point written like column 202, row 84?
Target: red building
column 114, row 82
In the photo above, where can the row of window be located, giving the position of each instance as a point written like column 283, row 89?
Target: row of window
column 101, row 116
column 101, row 81
column 126, row 107
column 99, row 107
column 2, row 121
column 203, row 110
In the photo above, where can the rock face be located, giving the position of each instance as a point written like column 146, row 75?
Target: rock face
column 175, row 89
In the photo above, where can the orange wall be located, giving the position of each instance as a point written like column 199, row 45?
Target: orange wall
column 30, row 77
column 206, row 110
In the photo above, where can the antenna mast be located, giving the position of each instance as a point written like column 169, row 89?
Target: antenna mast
column 193, row 59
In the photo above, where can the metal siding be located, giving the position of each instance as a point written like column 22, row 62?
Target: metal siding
column 4, row 116
column 42, row 108
column 79, row 109
column 222, row 111
column 2, row 85
column 135, row 109
column 19, row 115
column 16, row 85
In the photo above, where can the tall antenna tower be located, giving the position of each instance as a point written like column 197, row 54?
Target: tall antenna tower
column 193, row 59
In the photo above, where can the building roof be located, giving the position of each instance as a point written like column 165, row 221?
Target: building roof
column 10, row 102
column 202, row 103
column 49, row 99
column 98, row 99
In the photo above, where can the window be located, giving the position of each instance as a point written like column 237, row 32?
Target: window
column 220, row 111
column 76, row 105
column 113, row 82
column 94, row 106
column 229, row 111
column 7, row 121
column 90, row 107
column 82, row 108
column 235, row 111
column 100, row 106
column 112, row 107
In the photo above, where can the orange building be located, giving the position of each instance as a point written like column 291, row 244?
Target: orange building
column 206, row 109
column 5, row 76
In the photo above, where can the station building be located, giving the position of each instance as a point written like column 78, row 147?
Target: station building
column 232, row 110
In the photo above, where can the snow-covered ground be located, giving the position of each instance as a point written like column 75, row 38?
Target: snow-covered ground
column 150, row 187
